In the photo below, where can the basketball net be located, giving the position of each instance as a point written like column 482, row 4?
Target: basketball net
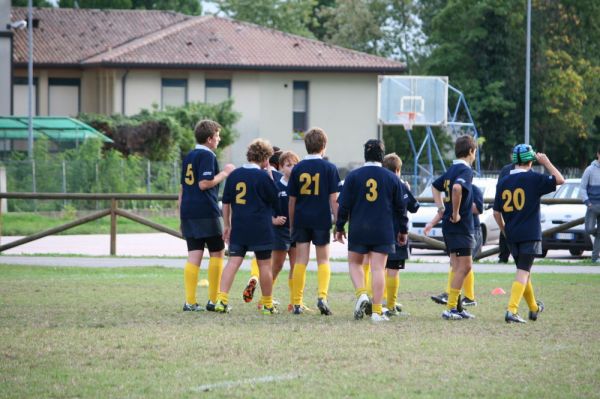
column 407, row 119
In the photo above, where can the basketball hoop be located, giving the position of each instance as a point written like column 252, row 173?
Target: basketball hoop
column 407, row 119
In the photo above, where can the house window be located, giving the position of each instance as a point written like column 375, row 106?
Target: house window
column 21, row 96
column 300, row 109
column 64, row 96
column 217, row 90
column 174, row 93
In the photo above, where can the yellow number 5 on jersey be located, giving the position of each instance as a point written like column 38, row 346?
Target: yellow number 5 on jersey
column 372, row 193
column 189, row 175
column 241, row 192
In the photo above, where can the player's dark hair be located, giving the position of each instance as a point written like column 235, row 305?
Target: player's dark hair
column 274, row 160
column 464, row 145
column 374, row 151
column 205, row 129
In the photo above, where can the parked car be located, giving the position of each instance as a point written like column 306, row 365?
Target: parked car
column 576, row 240
column 489, row 228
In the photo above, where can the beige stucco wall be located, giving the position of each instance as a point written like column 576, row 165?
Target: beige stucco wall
column 345, row 105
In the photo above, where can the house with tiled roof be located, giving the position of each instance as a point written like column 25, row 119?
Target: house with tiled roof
column 122, row 61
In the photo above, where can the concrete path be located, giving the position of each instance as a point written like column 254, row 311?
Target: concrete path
column 157, row 249
column 336, row 266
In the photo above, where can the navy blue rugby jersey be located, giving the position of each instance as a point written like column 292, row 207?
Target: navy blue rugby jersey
column 252, row 196
column 312, row 181
column 401, row 218
column 200, row 164
column 284, row 199
column 518, row 198
column 478, row 201
column 371, row 195
column 462, row 174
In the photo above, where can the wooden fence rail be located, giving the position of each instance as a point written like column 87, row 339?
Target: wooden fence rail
column 115, row 211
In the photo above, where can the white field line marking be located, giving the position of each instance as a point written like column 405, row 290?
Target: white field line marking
column 248, row 381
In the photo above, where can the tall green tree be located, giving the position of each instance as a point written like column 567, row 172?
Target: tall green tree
column 292, row 16
column 36, row 3
column 190, row 7
column 477, row 43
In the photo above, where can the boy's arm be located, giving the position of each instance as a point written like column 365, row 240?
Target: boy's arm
column 437, row 199
column 226, row 222
column 219, row 177
column 334, row 205
column 456, row 198
column 436, row 219
column 545, row 161
column 583, row 187
column 499, row 220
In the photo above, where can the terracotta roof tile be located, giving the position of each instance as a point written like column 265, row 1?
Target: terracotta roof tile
column 164, row 39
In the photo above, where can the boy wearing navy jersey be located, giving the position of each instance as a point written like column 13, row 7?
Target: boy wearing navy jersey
column 313, row 190
column 248, row 293
column 248, row 202
column 396, row 260
column 517, row 212
column 283, row 244
column 457, row 219
column 200, row 214
column 469, row 283
column 369, row 196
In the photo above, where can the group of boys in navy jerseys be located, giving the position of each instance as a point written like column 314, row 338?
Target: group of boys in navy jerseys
column 279, row 214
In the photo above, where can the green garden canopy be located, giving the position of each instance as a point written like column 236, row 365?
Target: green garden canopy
column 55, row 128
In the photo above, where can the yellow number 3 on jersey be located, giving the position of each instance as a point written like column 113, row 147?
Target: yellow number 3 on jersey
column 372, row 193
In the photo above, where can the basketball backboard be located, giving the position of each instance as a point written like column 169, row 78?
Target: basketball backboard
column 413, row 100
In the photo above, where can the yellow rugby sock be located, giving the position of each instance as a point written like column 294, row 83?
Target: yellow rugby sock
column 367, row 280
column 223, row 297
column 391, row 289
column 267, row 301
column 453, row 298
column 377, row 308
column 254, row 270
column 450, row 278
column 323, row 277
column 530, row 297
column 299, row 282
column 359, row 291
column 516, row 293
column 215, row 270
column 469, row 285
column 190, row 281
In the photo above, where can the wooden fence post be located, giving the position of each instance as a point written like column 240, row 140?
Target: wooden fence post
column 113, row 226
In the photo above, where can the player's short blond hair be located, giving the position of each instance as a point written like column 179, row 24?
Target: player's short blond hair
column 288, row 156
column 259, row 150
column 392, row 162
column 315, row 140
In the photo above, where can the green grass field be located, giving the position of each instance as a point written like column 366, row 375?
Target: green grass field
column 25, row 223
column 71, row 332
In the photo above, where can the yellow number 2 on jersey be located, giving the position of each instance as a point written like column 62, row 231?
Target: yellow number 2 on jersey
column 241, row 192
